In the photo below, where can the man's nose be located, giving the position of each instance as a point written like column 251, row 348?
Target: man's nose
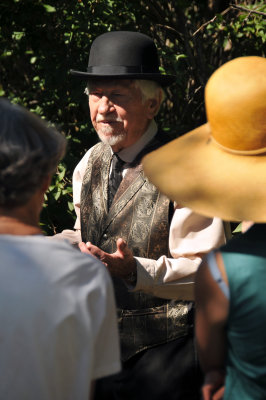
column 105, row 105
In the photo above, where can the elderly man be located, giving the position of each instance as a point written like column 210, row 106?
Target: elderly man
column 151, row 246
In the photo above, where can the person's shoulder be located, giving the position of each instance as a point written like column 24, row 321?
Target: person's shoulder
column 53, row 269
column 61, row 256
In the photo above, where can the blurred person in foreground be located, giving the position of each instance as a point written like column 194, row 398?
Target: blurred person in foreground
column 151, row 246
column 228, row 158
column 57, row 313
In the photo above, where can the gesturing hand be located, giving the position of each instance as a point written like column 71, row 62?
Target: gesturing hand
column 120, row 264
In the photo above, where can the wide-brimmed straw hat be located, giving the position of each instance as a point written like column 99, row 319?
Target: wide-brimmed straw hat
column 126, row 55
column 219, row 169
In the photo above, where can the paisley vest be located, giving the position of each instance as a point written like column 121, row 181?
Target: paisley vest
column 141, row 216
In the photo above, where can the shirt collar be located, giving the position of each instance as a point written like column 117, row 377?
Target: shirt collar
column 130, row 153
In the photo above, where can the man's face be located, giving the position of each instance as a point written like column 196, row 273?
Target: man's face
column 118, row 114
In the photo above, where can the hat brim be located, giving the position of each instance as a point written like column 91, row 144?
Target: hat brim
column 195, row 172
column 164, row 80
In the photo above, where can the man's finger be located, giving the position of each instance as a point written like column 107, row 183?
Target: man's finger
column 121, row 245
column 83, row 247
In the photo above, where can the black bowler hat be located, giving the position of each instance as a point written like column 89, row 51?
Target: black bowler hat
column 126, row 55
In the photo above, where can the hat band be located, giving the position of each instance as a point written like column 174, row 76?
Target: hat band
column 239, row 152
column 121, row 69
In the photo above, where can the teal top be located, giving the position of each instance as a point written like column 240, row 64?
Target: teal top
column 245, row 263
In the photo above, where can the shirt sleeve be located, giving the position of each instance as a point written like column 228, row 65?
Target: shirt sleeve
column 77, row 179
column 191, row 237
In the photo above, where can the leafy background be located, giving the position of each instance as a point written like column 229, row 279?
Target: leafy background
column 40, row 41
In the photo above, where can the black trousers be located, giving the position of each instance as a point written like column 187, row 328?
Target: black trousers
column 166, row 372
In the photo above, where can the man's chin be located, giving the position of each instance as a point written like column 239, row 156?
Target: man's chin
column 112, row 140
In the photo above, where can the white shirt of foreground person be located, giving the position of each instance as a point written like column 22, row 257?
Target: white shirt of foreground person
column 57, row 318
column 191, row 236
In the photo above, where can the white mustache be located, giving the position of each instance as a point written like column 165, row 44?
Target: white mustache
column 101, row 119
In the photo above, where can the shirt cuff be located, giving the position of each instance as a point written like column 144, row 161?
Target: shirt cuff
column 145, row 273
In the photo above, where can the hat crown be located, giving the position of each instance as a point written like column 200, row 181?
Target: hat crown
column 124, row 55
column 124, row 48
column 235, row 97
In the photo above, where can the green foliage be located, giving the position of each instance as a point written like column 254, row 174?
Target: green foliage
column 58, row 204
column 41, row 41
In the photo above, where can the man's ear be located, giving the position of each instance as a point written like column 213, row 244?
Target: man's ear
column 154, row 105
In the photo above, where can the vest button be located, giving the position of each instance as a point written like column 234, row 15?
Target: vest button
column 105, row 236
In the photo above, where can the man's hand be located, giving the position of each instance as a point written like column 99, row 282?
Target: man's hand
column 213, row 387
column 121, row 263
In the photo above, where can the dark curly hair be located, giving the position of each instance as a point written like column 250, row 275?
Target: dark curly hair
column 29, row 151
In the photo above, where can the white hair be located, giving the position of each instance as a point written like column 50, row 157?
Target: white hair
column 149, row 89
